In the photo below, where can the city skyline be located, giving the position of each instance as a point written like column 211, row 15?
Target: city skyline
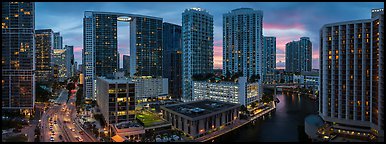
column 292, row 24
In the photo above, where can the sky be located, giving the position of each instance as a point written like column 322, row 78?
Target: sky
column 287, row 21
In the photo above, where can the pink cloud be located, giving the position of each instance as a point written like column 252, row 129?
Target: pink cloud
column 78, row 49
column 283, row 27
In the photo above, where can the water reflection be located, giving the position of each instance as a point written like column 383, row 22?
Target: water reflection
column 285, row 124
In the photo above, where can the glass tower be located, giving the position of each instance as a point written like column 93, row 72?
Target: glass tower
column 197, row 47
column 18, row 55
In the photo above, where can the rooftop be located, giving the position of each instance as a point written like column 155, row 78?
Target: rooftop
column 200, row 108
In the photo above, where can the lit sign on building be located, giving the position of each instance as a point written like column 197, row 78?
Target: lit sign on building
column 126, row 19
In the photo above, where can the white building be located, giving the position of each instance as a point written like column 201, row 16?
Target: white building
column 240, row 92
column 148, row 89
column 197, row 47
column 243, row 42
column 351, row 75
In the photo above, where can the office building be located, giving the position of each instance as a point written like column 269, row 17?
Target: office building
column 197, row 47
column 268, row 59
column 116, row 99
column 172, row 58
column 44, row 40
column 100, row 53
column 240, row 92
column 351, row 76
column 150, row 90
column 298, row 55
column 198, row 118
column 18, row 55
column 243, row 42
column 58, row 41
column 126, row 64
column 59, row 63
column 69, row 60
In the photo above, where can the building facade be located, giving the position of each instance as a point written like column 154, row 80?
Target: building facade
column 172, row 58
column 148, row 89
column 298, row 55
column 116, row 99
column 198, row 118
column 240, row 92
column 268, row 59
column 100, row 54
column 59, row 61
column 243, row 42
column 351, row 75
column 18, row 55
column 58, row 41
column 197, row 47
column 70, row 60
column 44, row 40
column 126, row 64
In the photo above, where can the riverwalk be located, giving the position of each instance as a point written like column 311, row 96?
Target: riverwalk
column 237, row 124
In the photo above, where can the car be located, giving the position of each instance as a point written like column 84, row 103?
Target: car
column 51, row 128
column 52, row 139
column 73, row 129
column 55, row 122
column 79, row 139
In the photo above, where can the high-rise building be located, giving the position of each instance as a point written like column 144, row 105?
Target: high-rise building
column 197, row 47
column 351, row 79
column 58, row 41
column 69, row 60
column 298, row 55
column 100, row 52
column 269, row 59
column 44, row 40
column 75, row 67
column 126, row 64
column 18, row 55
column 243, row 42
column 172, row 58
column 59, row 61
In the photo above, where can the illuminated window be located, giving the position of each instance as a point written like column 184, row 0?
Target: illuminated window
column 16, row 15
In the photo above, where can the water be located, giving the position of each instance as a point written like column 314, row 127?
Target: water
column 286, row 124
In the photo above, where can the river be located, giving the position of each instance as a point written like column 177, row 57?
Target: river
column 286, row 124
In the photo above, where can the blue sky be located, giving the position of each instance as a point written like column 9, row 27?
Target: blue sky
column 286, row 21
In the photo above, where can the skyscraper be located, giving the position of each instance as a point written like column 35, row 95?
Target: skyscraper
column 126, row 64
column 59, row 61
column 172, row 62
column 298, row 55
column 269, row 59
column 197, row 47
column 44, row 40
column 58, row 41
column 351, row 75
column 69, row 60
column 242, row 52
column 18, row 55
column 100, row 53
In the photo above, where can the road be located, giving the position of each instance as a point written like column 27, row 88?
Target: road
column 61, row 113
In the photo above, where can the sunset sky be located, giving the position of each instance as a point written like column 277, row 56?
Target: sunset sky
column 285, row 21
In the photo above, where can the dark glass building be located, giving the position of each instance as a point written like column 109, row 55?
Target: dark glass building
column 44, row 40
column 172, row 62
column 17, row 55
column 298, row 55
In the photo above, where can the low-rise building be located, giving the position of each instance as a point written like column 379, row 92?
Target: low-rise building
column 150, row 89
column 240, row 92
column 116, row 99
column 198, row 118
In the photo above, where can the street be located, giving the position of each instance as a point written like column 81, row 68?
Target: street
column 64, row 113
